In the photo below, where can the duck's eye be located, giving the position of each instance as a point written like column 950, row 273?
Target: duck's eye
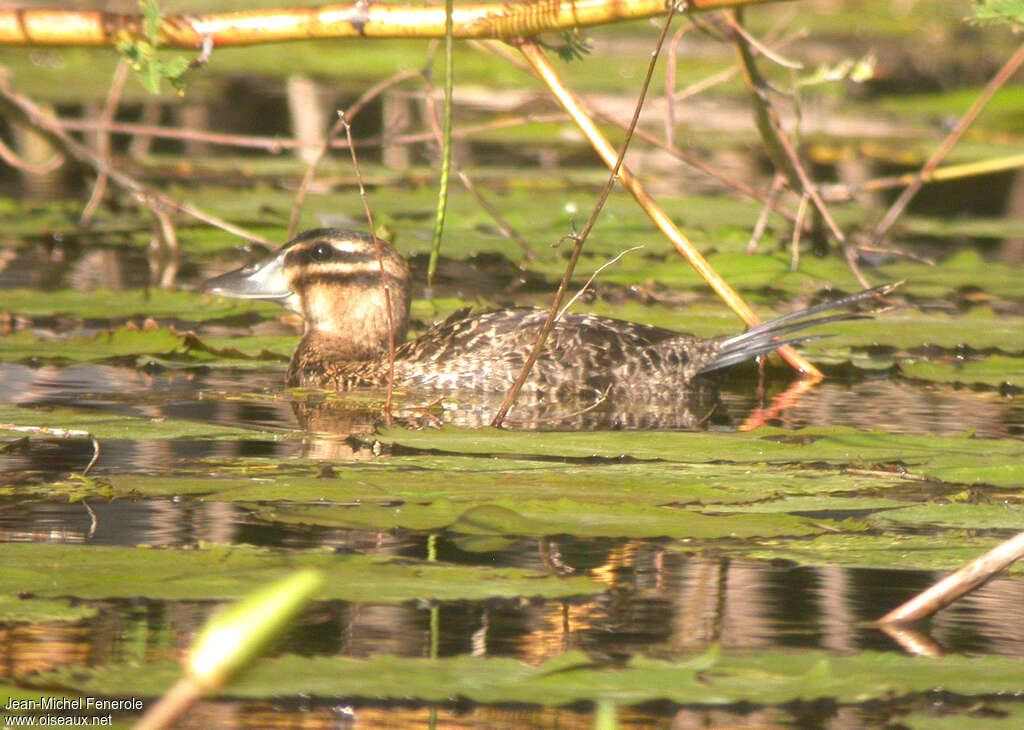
column 322, row 252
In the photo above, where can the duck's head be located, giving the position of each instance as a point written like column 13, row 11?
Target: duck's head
column 332, row 278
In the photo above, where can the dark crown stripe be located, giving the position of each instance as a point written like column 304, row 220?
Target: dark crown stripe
column 302, row 256
column 362, row 279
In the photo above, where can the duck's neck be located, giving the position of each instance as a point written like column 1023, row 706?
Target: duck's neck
column 325, row 359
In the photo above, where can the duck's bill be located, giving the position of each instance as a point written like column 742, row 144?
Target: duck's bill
column 261, row 280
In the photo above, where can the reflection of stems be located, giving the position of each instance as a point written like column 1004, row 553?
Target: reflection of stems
column 61, row 433
column 1004, row 74
column 535, row 56
column 564, row 416
column 914, row 642
column 653, row 210
column 789, row 398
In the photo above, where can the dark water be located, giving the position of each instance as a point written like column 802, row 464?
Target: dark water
column 660, row 601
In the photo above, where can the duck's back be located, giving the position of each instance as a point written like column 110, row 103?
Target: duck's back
column 583, row 354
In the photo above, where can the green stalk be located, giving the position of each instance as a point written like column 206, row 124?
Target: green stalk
column 446, row 148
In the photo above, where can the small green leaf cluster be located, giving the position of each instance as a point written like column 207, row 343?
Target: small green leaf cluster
column 141, row 55
column 999, row 11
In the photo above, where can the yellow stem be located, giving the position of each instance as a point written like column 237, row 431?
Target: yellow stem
column 572, row 106
column 51, row 27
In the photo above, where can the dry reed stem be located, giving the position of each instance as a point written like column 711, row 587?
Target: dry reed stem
column 971, row 576
column 998, row 81
column 535, row 56
column 607, row 153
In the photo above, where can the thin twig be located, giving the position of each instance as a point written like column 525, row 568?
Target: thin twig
column 693, row 161
column 357, row 106
column 21, row 106
column 837, row 192
column 14, row 160
column 897, row 208
column 593, row 276
column 798, row 226
column 698, row 164
column 109, row 110
column 537, row 60
column 503, row 225
column 898, row 252
column 778, row 181
column 850, row 254
column 670, row 85
column 383, row 274
column 777, row 142
column 657, row 215
column 274, row 145
column 764, row 50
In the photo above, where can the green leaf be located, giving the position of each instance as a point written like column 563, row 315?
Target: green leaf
column 219, row 572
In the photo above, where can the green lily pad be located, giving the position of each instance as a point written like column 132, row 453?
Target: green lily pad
column 51, row 571
column 994, row 370
column 112, row 426
column 942, row 458
column 132, row 303
column 708, row 679
column 907, row 552
column 557, row 517
column 959, row 515
column 38, row 610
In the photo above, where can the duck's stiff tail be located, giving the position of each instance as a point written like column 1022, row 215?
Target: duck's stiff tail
column 773, row 334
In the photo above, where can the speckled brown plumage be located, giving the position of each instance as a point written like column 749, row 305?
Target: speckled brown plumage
column 333, row 279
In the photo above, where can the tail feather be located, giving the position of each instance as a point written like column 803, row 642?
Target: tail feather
column 773, row 334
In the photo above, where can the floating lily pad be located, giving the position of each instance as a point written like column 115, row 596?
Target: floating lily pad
column 112, row 426
column 132, row 303
column 708, row 679
column 39, row 610
column 942, row 458
column 994, row 370
column 956, row 514
column 557, row 517
column 905, row 552
column 47, row 571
